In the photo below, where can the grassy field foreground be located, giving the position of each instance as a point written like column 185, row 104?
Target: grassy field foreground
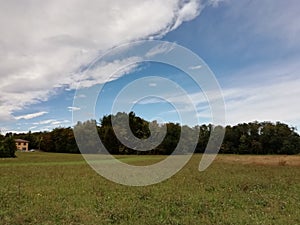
column 48, row 188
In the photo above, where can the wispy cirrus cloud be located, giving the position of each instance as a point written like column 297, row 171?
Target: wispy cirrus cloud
column 265, row 92
column 195, row 67
column 72, row 108
column 50, row 122
column 44, row 122
column 163, row 48
column 31, row 115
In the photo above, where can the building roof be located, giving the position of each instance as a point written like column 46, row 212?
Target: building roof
column 21, row 141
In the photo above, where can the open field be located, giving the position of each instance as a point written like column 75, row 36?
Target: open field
column 49, row 188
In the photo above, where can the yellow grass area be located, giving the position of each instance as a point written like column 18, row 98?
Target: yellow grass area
column 271, row 160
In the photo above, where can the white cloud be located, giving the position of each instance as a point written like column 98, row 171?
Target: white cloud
column 104, row 73
column 152, row 84
column 80, row 96
column 56, row 123
column 43, row 43
column 187, row 12
column 31, row 116
column 277, row 101
column 44, row 122
column 72, row 108
column 195, row 67
column 51, row 122
column 164, row 48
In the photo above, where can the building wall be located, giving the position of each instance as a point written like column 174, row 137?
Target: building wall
column 22, row 146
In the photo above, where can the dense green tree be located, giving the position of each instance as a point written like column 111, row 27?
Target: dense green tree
column 244, row 145
column 110, row 141
column 2, row 137
column 171, row 139
column 8, row 147
column 33, row 140
column 231, row 140
column 87, row 137
column 47, row 143
column 204, row 133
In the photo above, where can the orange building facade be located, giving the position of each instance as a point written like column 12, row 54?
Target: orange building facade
column 22, row 145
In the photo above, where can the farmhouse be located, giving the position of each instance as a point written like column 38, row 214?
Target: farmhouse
column 22, row 145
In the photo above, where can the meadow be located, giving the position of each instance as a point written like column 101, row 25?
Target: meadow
column 56, row 188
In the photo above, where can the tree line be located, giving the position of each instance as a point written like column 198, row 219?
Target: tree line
column 245, row 138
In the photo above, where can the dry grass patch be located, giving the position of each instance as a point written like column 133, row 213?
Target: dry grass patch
column 268, row 160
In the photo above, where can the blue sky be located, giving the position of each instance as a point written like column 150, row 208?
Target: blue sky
column 253, row 48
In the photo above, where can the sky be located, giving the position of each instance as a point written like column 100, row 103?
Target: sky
column 252, row 48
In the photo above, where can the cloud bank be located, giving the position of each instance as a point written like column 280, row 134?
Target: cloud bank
column 44, row 43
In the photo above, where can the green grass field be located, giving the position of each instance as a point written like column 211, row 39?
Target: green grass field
column 49, row 188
